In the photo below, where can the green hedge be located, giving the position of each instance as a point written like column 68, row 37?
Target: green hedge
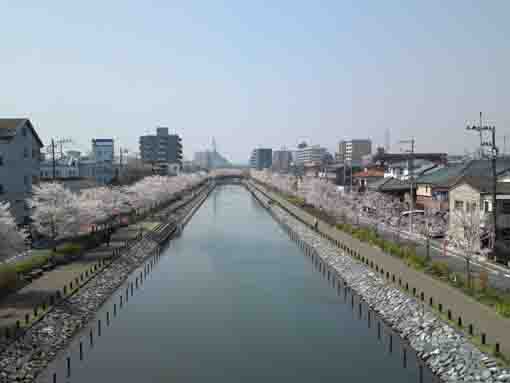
column 34, row 262
column 70, row 249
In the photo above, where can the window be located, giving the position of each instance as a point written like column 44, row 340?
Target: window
column 25, row 152
column 2, row 189
column 26, row 181
column 486, row 206
column 459, row 205
column 506, row 207
column 1, row 160
column 470, row 207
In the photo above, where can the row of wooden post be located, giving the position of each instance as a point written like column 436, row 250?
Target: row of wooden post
column 329, row 273
column 138, row 281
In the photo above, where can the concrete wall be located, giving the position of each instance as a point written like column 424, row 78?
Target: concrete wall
column 484, row 319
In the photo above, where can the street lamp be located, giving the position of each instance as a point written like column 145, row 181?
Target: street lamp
column 494, row 154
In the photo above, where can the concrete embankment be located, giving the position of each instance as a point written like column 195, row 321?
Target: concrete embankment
column 446, row 351
column 30, row 354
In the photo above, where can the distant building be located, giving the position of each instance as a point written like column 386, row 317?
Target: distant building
column 354, row 150
column 103, row 149
column 281, row 161
column 161, row 150
column 310, row 154
column 65, row 168
column 103, row 152
column 209, row 160
column 20, row 157
column 261, row 158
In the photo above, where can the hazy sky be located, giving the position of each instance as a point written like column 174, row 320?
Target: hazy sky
column 257, row 73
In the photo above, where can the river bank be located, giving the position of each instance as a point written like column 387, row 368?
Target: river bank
column 29, row 355
column 441, row 347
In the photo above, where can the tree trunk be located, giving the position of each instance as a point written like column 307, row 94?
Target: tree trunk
column 428, row 248
column 468, row 272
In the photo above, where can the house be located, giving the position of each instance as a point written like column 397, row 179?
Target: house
column 395, row 187
column 400, row 169
column 340, row 173
column 369, row 175
column 432, row 188
column 474, row 194
column 20, row 156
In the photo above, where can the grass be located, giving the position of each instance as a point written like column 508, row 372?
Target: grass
column 147, row 225
column 26, row 265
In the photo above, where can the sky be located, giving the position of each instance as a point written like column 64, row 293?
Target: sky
column 258, row 73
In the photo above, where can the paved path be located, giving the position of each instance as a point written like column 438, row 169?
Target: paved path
column 15, row 306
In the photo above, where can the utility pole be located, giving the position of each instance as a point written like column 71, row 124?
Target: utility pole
column 494, row 154
column 53, row 158
column 55, row 144
column 411, row 180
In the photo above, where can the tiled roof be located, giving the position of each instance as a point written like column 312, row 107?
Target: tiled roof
column 376, row 185
column 484, row 184
column 442, row 177
column 395, row 185
column 369, row 173
column 450, row 175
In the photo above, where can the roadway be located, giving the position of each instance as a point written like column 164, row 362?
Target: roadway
column 499, row 276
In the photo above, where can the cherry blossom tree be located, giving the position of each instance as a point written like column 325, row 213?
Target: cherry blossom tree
column 464, row 233
column 55, row 211
column 12, row 240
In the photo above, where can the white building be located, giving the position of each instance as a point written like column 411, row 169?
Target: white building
column 67, row 167
column 103, row 151
column 309, row 154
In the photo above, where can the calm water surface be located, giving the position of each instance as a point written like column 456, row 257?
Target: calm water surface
column 233, row 299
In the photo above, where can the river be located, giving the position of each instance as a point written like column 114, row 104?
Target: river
column 233, row 299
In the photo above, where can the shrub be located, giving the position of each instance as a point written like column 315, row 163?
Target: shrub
column 70, row 249
column 439, row 269
column 415, row 260
column 34, row 262
column 503, row 308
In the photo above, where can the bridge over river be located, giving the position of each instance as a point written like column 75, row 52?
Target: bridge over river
column 233, row 300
